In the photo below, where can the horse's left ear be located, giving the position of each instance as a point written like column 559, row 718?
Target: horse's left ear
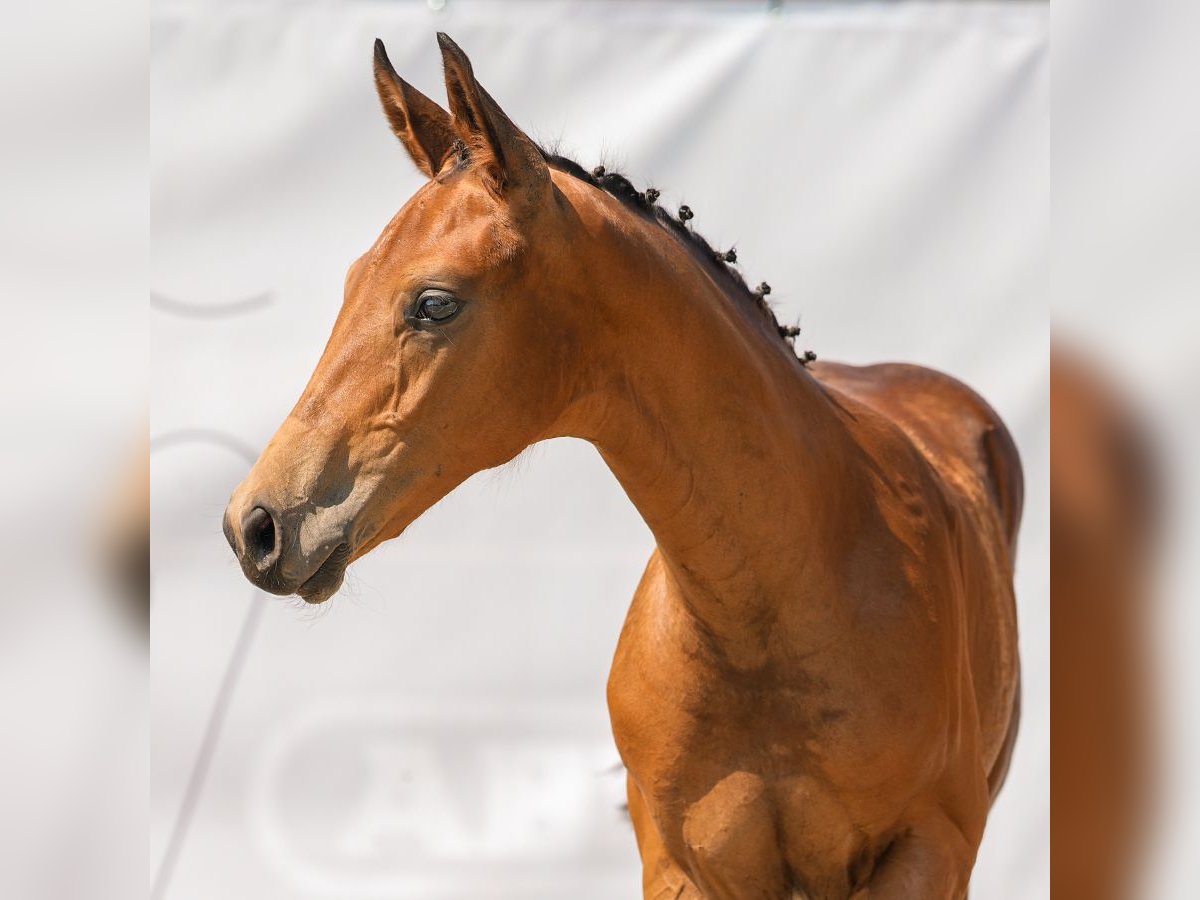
column 512, row 161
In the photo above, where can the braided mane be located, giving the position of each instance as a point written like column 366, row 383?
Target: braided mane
column 720, row 262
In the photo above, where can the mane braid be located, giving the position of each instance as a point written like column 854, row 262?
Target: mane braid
column 718, row 262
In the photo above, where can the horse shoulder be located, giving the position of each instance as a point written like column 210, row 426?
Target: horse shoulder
column 958, row 433
column 972, row 453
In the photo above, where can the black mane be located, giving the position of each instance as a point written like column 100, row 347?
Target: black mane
column 720, row 262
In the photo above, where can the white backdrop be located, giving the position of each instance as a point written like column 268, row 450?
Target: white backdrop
column 439, row 728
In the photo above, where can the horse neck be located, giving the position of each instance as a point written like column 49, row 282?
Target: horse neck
column 737, row 459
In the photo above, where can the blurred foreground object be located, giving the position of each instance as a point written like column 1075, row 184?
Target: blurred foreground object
column 73, row 242
column 1103, row 515
column 1126, row 725
column 126, row 543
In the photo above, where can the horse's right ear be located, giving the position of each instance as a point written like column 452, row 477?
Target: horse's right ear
column 424, row 128
column 514, row 164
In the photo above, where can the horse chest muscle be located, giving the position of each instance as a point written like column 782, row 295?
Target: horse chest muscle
column 706, row 746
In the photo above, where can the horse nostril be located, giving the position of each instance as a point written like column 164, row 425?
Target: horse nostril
column 262, row 541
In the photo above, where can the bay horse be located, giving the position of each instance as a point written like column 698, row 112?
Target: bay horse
column 815, row 692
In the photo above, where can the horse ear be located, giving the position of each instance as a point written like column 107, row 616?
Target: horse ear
column 424, row 128
column 514, row 163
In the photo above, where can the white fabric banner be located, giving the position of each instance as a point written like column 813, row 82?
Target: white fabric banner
column 439, row 729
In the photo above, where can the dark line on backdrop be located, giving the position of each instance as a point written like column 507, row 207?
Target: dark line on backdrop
column 224, row 697
column 208, row 746
column 213, row 436
column 189, row 310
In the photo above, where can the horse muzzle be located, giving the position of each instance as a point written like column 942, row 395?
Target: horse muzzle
column 270, row 552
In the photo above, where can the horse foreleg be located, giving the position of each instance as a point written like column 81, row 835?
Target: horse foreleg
column 662, row 878
column 931, row 861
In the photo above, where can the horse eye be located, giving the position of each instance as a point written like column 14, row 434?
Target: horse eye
column 436, row 306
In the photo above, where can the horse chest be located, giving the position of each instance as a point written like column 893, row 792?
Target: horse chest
column 733, row 771
column 683, row 720
column 732, row 816
column 725, row 772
